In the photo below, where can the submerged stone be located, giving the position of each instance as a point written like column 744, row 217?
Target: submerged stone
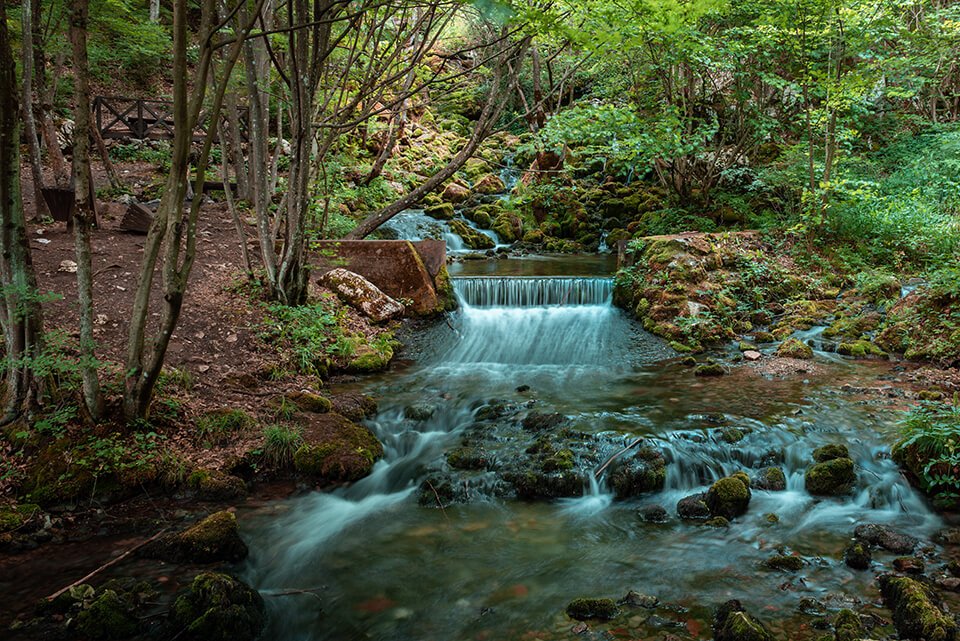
column 858, row 556
column 732, row 623
column 653, row 514
column 772, row 479
column 645, row 471
column 885, row 537
column 784, row 562
column 694, row 507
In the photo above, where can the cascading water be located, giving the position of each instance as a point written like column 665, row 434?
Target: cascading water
column 377, row 565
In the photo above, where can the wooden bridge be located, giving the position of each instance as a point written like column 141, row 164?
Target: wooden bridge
column 141, row 119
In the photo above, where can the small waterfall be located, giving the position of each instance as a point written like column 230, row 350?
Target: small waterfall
column 533, row 292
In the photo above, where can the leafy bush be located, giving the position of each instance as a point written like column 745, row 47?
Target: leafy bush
column 930, row 448
column 308, row 333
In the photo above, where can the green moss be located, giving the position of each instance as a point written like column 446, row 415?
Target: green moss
column 215, row 485
column 468, row 458
column 215, row 538
column 793, row 348
column 218, row 607
column 831, row 478
column 858, row 556
column 772, row 478
column 108, row 617
column 717, row 522
column 732, row 623
column 440, row 211
column 446, row 296
column 368, row 358
column 847, row 626
column 349, row 455
column 508, row 227
column 645, row 472
column 584, row 609
column 830, row 452
column 470, row 236
column 13, row 517
column 731, row 435
column 860, row 349
column 310, row 402
column 709, row 369
column 784, row 563
column 914, row 613
column 728, row 497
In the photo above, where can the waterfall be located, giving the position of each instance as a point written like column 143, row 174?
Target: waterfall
column 533, row 292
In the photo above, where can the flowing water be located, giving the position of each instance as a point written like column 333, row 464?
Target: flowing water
column 379, row 565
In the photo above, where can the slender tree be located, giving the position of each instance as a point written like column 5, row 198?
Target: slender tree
column 29, row 121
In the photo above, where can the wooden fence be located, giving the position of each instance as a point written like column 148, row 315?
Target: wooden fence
column 140, row 119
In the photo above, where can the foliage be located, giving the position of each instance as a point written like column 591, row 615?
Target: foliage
column 931, row 446
column 309, row 334
column 280, row 442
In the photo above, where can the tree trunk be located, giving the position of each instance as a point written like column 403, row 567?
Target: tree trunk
column 20, row 313
column 154, row 10
column 83, row 214
column 30, row 125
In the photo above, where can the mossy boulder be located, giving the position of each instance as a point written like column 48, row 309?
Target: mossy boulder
column 368, row 358
column 645, row 471
column 215, row 485
column 784, row 563
column 914, row 613
column 508, row 227
column 469, row 458
column 542, row 422
column 218, row 607
column 307, row 401
column 830, row 452
column 772, row 479
column 488, row 185
column 539, row 483
column 440, row 211
column 831, row 478
column 693, row 507
column 214, row 539
column 732, row 623
column 860, row 349
column 355, row 407
column 729, row 497
column 347, row 455
column 709, row 369
column 107, row 617
column 470, row 236
column 847, row 626
column 793, row 348
column 585, row 609
column 13, row 517
column 420, row 411
column 455, row 193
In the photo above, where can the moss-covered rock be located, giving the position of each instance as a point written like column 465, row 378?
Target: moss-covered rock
column 13, row 517
column 216, row 485
column 830, row 452
column 369, row 358
column 831, row 478
column 355, row 407
column 784, row 563
column 455, row 193
column 847, row 626
column 347, row 455
column 488, row 185
column 508, row 227
column 471, row 237
column 585, row 609
column 218, row 607
column 541, row 422
column 440, row 211
column 858, row 556
column 215, row 538
column 468, row 457
column 420, row 411
column 693, row 507
column 729, row 497
column 645, row 471
column 772, row 479
column 709, row 369
column 107, row 617
column 860, row 349
column 914, row 613
column 793, row 348
column 732, row 623
column 309, row 401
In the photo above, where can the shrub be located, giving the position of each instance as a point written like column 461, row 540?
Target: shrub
column 930, row 448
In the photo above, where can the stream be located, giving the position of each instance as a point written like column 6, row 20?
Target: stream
column 542, row 336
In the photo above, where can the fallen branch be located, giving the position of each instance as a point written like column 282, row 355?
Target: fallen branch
column 599, row 472
column 107, row 565
column 310, row 591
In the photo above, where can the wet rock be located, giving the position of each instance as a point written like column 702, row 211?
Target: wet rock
column 909, row 565
column 812, row 607
column 653, row 514
column 950, row 536
column 645, row 471
column 717, row 522
column 218, row 607
column 419, row 411
column 847, row 626
column 637, row 600
column 784, row 563
column 468, row 458
column 540, row 484
column 307, row 401
column 732, row 623
column 440, row 211
column 830, row 478
column 793, row 348
column 884, row 536
column 772, row 479
column 489, row 184
column 214, row 485
column 732, row 435
column 523, row 388
column 215, row 538
column 540, row 422
column 585, row 609
column 709, row 369
column 107, row 617
column 830, row 452
column 471, row 237
column 454, row 193
column 858, row 556
column 953, row 567
column 693, row 507
column 914, row 613
column 752, row 355
column 729, row 497
column 361, row 294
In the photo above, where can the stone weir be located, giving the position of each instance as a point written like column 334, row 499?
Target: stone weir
column 412, row 271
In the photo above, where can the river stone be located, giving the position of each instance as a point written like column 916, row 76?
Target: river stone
column 847, row 626
column 830, row 478
column 361, row 294
column 645, row 471
column 885, row 537
column 909, row 565
column 440, row 211
column 914, row 614
column 693, row 507
column 586, row 609
column 728, row 497
column 215, row 538
column 218, row 607
column 540, row 422
column 732, row 623
column 653, row 514
column 489, row 184
column 454, row 193
column 830, row 452
column 752, row 355
column 637, row 600
column 784, row 563
column 858, row 556
column 771, row 479
column 419, row 411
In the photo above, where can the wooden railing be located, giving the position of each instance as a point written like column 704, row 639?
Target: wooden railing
column 140, row 119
